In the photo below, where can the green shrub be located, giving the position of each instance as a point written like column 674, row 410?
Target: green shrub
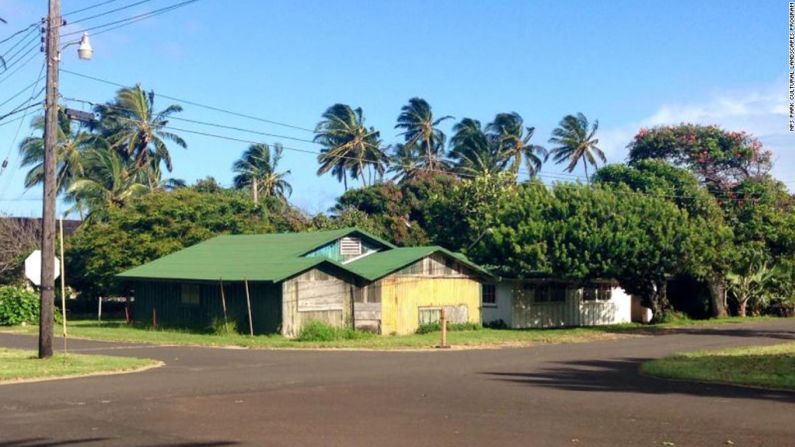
column 671, row 316
column 436, row 327
column 18, row 305
column 220, row 327
column 496, row 324
column 321, row 331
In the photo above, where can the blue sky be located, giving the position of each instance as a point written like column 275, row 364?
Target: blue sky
column 626, row 63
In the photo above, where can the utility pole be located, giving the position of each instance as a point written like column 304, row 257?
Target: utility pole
column 52, row 55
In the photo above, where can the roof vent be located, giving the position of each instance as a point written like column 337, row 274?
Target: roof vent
column 350, row 246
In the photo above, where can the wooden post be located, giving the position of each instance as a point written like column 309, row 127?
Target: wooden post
column 99, row 309
column 223, row 301
column 248, row 305
column 63, row 290
column 154, row 317
column 127, row 316
column 443, row 325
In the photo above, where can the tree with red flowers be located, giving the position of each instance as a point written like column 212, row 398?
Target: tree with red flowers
column 720, row 158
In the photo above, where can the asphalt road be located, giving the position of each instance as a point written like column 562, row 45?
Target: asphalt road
column 586, row 394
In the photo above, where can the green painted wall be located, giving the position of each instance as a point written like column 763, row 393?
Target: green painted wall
column 165, row 296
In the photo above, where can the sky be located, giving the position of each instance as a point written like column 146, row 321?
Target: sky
column 627, row 64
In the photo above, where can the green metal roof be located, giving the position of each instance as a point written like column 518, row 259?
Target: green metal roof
column 256, row 257
column 383, row 263
column 276, row 257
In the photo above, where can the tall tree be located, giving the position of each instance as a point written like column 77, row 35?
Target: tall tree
column 257, row 170
column 474, row 151
column 575, row 140
column 680, row 186
column 109, row 181
column 404, row 163
column 72, row 145
column 721, row 159
column 422, row 135
column 136, row 130
column 349, row 147
column 508, row 132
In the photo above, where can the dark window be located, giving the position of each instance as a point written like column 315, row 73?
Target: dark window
column 589, row 293
column 489, row 294
column 558, row 294
column 190, row 295
column 550, row 293
column 594, row 292
column 541, row 294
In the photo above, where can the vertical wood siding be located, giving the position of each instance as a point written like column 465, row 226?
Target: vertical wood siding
column 574, row 311
column 165, row 296
column 402, row 297
column 316, row 295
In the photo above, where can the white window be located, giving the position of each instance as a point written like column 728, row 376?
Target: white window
column 190, row 295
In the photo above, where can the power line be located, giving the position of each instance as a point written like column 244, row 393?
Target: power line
column 131, row 19
column 20, row 92
column 101, row 14
column 316, row 153
column 255, row 118
column 21, row 39
column 30, row 46
column 96, row 5
column 24, row 64
column 32, row 25
column 196, row 104
column 203, row 123
column 33, row 96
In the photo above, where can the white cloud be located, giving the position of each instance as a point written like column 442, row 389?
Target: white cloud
column 761, row 112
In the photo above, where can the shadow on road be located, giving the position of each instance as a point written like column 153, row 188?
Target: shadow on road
column 621, row 376
column 46, row 442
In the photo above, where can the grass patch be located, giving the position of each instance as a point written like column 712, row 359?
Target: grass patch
column 437, row 327
column 121, row 332
column 318, row 331
column 765, row 366
column 16, row 364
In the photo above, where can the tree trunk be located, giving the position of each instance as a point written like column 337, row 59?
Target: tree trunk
column 585, row 165
column 659, row 301
column 254, row 192
column 345, row 180
column 742, row 306
column 717, row 295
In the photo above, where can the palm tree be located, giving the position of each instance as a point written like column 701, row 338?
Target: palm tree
column 508, row 132
column 348, row 146
column 404, row 163
column 421, row 133
column 72, row 144
column 133, row 127
column 257, row 169
column 575, row 140
column 474, row 151
column 109, row 181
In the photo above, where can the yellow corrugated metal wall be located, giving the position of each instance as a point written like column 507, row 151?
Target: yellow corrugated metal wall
column 402, row 296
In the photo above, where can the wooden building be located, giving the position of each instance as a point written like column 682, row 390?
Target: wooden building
column 550, row 302
column 347, row 278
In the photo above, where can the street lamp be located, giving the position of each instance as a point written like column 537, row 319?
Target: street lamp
column 84, row 51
